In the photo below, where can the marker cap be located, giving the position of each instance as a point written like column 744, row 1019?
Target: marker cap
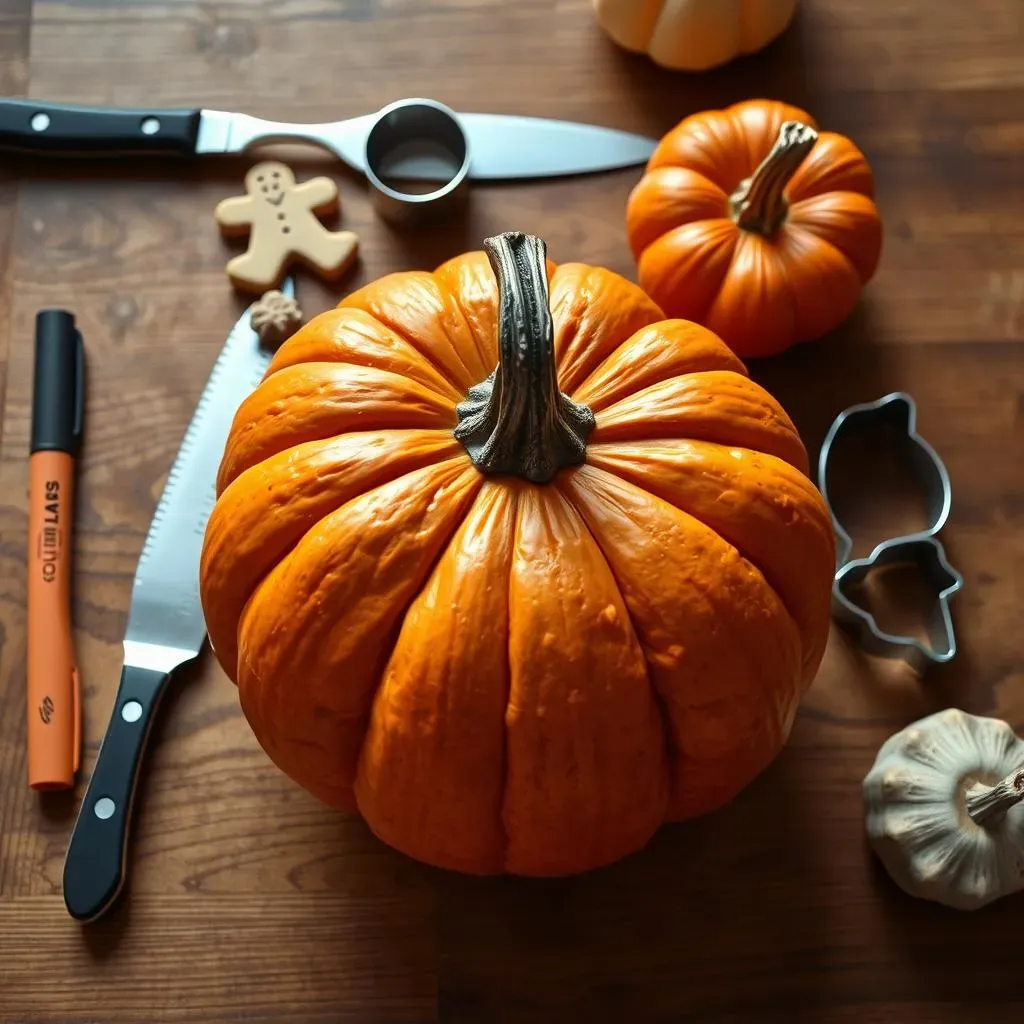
column 58, row 399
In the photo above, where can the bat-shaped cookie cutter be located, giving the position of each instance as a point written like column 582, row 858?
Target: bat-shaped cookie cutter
column 921, row 548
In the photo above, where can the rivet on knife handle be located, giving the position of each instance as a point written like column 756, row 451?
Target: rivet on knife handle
column 57, row 129
column 94, row 868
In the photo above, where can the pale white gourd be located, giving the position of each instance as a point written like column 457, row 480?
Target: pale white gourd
column 693, row 35
column 944, row 804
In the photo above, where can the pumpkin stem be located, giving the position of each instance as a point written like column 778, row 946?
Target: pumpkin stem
column 759, row 204
column 987, row 805
column 517, row 421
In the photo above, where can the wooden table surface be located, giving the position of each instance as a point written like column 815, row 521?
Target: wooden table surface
column 250, row 901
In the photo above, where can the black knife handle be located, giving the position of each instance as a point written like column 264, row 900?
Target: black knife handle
column 58, row 129
column 95, row 865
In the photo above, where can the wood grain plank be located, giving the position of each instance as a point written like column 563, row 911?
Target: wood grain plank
column 15, row 22
column 837, row 46
column 248, row 900
column 288, row 957
column 761, row 907
column 15, row 18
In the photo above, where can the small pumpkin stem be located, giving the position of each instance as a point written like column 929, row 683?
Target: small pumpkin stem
column 988, row 805
column 517, row 421
column 759, row 204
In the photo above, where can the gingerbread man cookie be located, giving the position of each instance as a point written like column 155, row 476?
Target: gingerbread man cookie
column 279, row 216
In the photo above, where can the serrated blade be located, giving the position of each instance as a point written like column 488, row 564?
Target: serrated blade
column 166, row 626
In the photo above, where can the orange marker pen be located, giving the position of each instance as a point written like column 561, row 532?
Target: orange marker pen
column 58, row 401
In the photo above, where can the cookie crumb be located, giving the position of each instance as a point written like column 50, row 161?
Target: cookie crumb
column 275, row 317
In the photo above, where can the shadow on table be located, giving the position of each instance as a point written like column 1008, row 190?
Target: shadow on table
column 727, row 913
column 816, row 381
column 950, row 956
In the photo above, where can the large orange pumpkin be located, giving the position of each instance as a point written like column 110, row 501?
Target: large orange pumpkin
column 752, row 223
column 513, row 566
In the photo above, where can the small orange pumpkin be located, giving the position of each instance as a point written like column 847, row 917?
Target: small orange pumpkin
column 751, row 222
column 513, row 566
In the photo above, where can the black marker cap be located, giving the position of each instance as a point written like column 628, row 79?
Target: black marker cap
column 58, row 395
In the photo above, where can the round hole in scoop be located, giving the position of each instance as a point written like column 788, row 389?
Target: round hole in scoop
column 416, row 149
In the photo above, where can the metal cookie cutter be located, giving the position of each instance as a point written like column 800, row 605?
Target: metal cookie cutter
column 923, row 548
column 417, row 130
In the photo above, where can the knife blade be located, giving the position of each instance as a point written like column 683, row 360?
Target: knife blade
column 503, row 146
column 165, row 630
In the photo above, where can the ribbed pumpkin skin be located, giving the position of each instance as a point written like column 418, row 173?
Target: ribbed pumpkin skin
column 760, row 294
column 503, row 676
column 693, row 35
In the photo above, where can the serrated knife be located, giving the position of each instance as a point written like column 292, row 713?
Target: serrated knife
column 166, row 628
column 501, row 146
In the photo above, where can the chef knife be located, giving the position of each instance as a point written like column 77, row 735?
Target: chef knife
column 503, row 146
column 166, row 627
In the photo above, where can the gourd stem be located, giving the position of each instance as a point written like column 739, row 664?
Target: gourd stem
column 988, row 805
column 759, row 204
column 517, row 421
